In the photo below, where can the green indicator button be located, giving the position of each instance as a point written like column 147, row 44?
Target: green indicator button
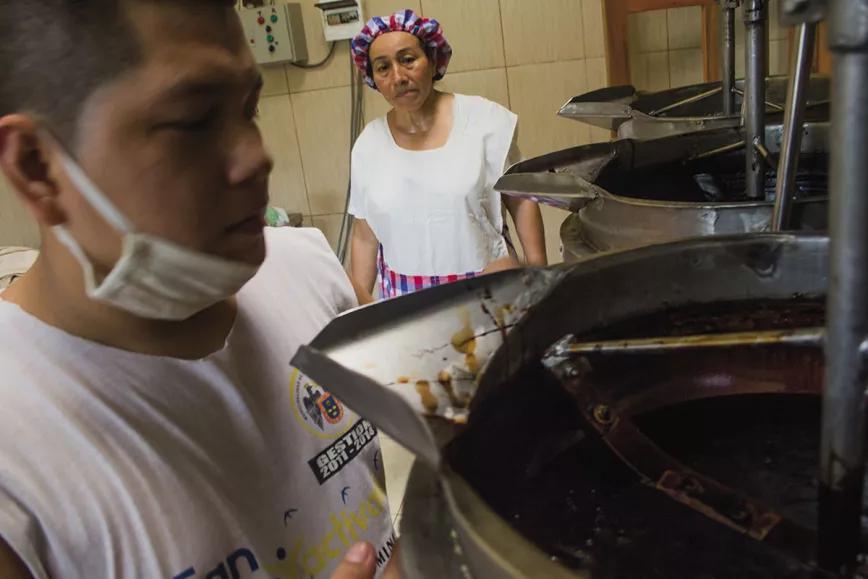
column 274, row 17
column 270, row 38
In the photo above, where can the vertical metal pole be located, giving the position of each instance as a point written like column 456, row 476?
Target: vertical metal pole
column 794, row 115
column 842, row 446
column 755, row 12
column 728, row 7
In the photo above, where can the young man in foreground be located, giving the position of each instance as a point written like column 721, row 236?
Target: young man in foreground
column 150, row 424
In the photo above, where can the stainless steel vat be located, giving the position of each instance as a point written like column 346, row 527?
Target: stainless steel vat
column 419, row 332
column 642, row 115
column 629, row 193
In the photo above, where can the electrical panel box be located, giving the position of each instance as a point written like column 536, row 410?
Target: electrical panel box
column 275, row 33
column 341, row 19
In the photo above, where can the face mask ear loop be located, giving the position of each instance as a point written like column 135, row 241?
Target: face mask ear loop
column 66, row 239
column 90, row 191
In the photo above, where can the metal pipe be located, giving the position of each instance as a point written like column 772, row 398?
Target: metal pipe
column 728, row 56
column 687, row 101
column 801, row 337
column 755, row 12
column 720, row 150
column 842, row 445
column 769, row 103
column 791, row 141
column 766, row 156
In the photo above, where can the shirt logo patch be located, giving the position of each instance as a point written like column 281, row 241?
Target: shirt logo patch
column 333, row 459
column 316, row 410
column 330, row 408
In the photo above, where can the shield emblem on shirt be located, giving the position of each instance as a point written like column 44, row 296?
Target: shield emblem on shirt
column 331, row 409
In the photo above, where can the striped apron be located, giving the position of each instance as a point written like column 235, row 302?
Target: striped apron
column 394, row 284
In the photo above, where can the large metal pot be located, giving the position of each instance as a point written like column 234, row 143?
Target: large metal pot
column 420, row 335
column 630, row 193
column 641, row 115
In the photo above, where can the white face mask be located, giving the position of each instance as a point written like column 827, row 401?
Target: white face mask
column 154, row 278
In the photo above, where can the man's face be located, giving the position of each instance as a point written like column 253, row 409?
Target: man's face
column 173, row 143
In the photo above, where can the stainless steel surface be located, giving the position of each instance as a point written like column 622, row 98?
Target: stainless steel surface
column 687, row 101
column 796, row 12
column 629, row 112
column 728, row 8
column 573, row 179
column 449, row 341
column 788, row 162
column 755, row 15
column 766, row 155
column 430, row 548
column 811, row 337
column 842, row 448
column 769, row 104
column 721, row 150
column 647, row 280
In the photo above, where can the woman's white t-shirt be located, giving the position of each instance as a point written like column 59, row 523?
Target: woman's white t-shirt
column 436, row 212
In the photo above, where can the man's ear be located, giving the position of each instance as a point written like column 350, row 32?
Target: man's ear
column 24, row 159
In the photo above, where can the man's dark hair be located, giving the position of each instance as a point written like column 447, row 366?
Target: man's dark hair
column 55, row 53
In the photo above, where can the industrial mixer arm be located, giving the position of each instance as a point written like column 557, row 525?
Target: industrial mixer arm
column 688, row 368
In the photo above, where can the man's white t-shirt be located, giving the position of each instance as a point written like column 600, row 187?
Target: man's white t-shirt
column 435, row 212
column 122, row 465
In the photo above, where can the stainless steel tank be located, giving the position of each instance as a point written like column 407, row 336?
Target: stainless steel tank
column 634, row 114
column 629, row 193
column 512, row 320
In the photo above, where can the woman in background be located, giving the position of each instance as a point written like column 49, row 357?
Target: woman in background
column 422, row 177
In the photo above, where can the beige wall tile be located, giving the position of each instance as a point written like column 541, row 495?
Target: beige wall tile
column 330, row 225
column 332, row 74
column 274, row 80
column 16, row 225
column 473, row 29
column 597, row 79
column 739, row 26
column 658, row 71
column 383, row 7
column 375, row 105
column 596, row 73
column 776, row 31
column 552, row 220
column 594, row 25
column 739, row 61
column 685, row 27
column 779, row 57
column 599, row 135
column 685, row 67
column 647, row 32
column 537, row 92
column 650, row 71
column 490, row 84
column 335, row 73
column 542, row 31
column 323, row 120
column 286, row 186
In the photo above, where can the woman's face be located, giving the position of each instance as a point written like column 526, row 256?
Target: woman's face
column 401, row 70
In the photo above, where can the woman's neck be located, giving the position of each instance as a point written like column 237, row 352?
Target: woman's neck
column 420, row 121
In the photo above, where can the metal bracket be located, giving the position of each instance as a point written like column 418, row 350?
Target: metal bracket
column 795, row 12
column 755, row 11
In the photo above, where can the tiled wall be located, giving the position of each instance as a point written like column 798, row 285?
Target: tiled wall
column 529, row 55
column 665, row 47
